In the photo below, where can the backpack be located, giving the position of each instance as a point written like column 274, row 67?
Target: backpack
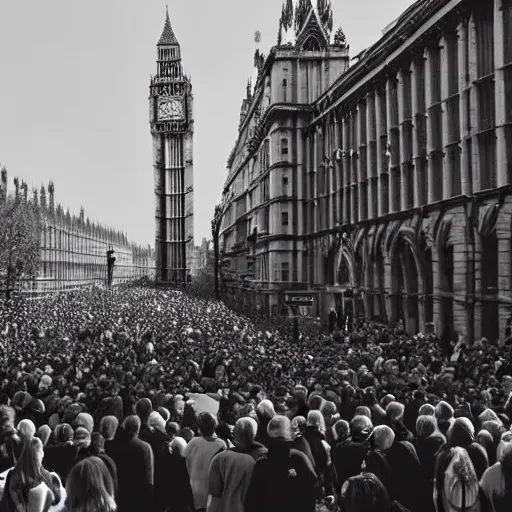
column 460, row 495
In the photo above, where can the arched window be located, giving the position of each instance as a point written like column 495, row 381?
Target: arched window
column 311, row 44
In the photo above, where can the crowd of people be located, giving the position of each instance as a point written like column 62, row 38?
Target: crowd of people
column 97, row 411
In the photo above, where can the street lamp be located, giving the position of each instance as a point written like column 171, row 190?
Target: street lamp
column 110, row 266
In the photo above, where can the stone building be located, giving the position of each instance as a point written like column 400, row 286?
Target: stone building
column 74, row 249
column 172, row 128
column 400, row 191
column 200, row 258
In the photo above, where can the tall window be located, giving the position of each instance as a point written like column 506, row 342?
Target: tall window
column 284, row 218
column 486, row 99
column 284, row 148
column 285, row 271
column 435, row 116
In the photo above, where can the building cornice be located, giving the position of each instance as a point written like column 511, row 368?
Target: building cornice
column 417, row 22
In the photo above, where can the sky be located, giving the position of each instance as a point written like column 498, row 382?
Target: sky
column 74, row 86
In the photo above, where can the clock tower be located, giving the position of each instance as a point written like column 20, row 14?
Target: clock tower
column 172, row 128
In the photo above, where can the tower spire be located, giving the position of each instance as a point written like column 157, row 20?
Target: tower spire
column 167, row 38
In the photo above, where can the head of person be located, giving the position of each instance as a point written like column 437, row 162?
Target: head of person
column 361, row 428
column 301, row 394
column 207, row 424
column 298, row 426
column 427, row 410
column 108, row 427
column 143, row 409
column 64, row 434
column 316, row 421
column 86, row 421
column 341, row 431
column 395, row 411
column 156, row 421
column 30, row 462
column 44, row 432
column 265, row 410
column 90, row 487
column 244, row 432
column 131, row 425
column 172, row 429
column 82, row 437
column 26, row 429
column 363, row 410
column 383, row 437
column 502, row 500
column 425, row 426
column 365, row 493
column 279, row 427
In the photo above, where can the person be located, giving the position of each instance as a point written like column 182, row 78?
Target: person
column 29, row 475
column 364, row 493
column 231, row 471
column 459, row 489
column 90, row 487
column 333, row 317
column 320, row 449
column 347, row 457
column 135, row 469
column 198, row 454
column 60, row 457
column 496, row 483
column 284, row 479
column 376, row 460
column 428, row 443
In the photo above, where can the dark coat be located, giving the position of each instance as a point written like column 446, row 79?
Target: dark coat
column 284, row 479
column 347, row 458
column 60, row 459
column 412, row 489
column 135, row 472
column 377, row 463
column 427, row 449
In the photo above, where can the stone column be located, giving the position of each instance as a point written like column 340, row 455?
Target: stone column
column 473, row 103
column 418, row 113
column 345, row 170
column 500, row 94
column 392, row 160
column 445, row 93
column 370, row 170
column 314, row 191
column 466, row 185
column 404, row 184
column 359, row 160
column 298, row 182
column 430, row 129
column 379, row 161
column 337, row 170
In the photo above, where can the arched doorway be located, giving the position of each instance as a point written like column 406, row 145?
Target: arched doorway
column 447, row 287
column 359, row 282
column 379, row 269
column 489, row 287
column 406, row 286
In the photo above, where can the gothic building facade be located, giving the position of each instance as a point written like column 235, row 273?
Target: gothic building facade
column 402, row 170
column 172, row 128
column 73, row 250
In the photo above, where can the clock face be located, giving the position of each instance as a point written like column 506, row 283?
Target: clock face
column 170, row 110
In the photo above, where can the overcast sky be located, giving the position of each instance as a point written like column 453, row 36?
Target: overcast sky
column 74, row 79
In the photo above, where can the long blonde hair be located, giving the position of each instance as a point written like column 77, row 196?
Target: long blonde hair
column 90, row 487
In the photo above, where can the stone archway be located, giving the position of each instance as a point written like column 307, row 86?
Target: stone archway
column 407, row 281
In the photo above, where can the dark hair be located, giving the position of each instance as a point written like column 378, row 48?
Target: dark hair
column 90, row 487
column 131, row 425
column 365, row 493
column 207, row 423
column 144, row 408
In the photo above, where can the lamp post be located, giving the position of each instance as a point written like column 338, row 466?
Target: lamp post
column 110, row 266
